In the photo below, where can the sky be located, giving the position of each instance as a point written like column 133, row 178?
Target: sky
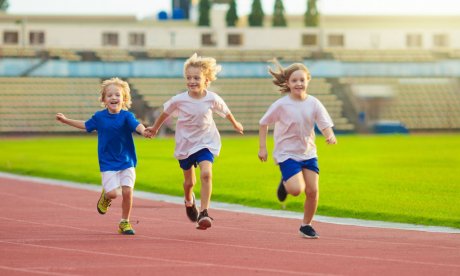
column 146, row 8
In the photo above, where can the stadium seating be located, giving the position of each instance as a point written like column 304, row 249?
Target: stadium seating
column 248, row 98
column 30, row 104
column 421, row 104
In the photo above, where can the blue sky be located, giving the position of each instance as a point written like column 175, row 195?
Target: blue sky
column 143, row 8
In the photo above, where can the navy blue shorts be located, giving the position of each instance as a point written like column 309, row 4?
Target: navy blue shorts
column 196, row 158
column 291, row 167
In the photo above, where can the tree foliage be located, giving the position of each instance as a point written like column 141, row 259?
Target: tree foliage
column 278, row 15
column 232, row 15
column 4, row 5
column 256, row 17
column 204, row 8
column 311, row 18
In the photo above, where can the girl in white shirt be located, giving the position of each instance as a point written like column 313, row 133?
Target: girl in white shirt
column 294, row 117
column 197, row 137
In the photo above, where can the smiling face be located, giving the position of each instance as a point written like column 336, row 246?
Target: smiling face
column 196, row 81
column 113, row 98
column 298, row 83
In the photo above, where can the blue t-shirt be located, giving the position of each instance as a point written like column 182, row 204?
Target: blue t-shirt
column 115, row 140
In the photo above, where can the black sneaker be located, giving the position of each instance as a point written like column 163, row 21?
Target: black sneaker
column 281, row 192
column 204, row 220
column 192, row 211
column 308, row 232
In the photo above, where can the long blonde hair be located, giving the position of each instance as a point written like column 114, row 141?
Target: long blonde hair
column 282, row 75
column 207, row 65
column 126, row 91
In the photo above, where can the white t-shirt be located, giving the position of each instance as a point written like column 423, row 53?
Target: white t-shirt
column 294, row 131
column 195, row 127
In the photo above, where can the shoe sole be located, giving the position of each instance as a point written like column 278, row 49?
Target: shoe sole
column 99, row 210
column 196, row 210
column 281, row 195
column 130, row 232
column 204, row 224
column 307, row 236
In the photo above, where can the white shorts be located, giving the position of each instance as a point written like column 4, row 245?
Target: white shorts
column 113, row 179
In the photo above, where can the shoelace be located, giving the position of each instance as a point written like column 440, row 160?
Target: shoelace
column 204, row 214
column 106, row 202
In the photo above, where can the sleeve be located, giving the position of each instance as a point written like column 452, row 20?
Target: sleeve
column 170, row 107
column 220, row 107
column 132, row 121
column 322, row 117
column 271, row 116
column 91, row 124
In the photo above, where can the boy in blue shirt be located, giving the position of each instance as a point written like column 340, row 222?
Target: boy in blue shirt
column 116, row 151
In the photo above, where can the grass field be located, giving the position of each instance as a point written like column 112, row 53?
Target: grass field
column 413, row 179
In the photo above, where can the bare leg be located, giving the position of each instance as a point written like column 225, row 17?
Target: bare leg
column 111, row 195
column 189, row 183
column 295, row 185
column 127, row 203
column 206, row 184
column 312, row 195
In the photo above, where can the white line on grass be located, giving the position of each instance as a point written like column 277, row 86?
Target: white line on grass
column 244, row 209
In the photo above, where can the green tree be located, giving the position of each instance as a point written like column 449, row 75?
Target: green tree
column 205, row 7
column 311, row 18
column 4, row 5
column 232, row 15
column 256, row 17
column 278, row 15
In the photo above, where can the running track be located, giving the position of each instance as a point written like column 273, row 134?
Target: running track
column 56, row 230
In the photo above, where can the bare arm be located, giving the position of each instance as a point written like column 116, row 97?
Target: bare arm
column 330, row 136
column 75, row 123
column 153, row 130
column 263, row 130
column 141, row 129
column 236, row 125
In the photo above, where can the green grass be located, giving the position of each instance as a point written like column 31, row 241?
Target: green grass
column 413, row 179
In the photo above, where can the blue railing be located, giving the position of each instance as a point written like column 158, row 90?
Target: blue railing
column 174, row 68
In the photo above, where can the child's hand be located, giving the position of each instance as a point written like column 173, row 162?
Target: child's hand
column 60, row 117
column 263, row 154
column 239, row 127
column 331, row 140
column 150, row 132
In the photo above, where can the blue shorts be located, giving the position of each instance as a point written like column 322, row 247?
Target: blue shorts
column 196, row 158
column 291, row 167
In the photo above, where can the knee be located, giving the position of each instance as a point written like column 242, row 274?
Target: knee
column 112, row 194
column 188, row 183
column 206, row 176
column 127, row 192
column 312, row 194
column 295, row 191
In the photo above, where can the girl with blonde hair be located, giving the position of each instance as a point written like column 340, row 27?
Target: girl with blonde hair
column 116, row 151
column 197, row 137
column 294, row 117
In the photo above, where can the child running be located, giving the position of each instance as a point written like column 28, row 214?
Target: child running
column 116, row 152
column 197, row 137
column 294, row 117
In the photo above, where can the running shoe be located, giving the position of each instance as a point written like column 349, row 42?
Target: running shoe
column 204, row 220
column 192, row 211
column 308, row 232
column 281, row 192
column 125, row 228
column 103, row 203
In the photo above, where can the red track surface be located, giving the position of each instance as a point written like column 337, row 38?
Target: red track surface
column 53, row 230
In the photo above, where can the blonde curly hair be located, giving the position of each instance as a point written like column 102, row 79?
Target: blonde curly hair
column 208, row 66
column 282, row 75
column 126, row 91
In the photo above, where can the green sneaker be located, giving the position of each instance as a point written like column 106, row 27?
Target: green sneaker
column 125, row 228
column 103, row 203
